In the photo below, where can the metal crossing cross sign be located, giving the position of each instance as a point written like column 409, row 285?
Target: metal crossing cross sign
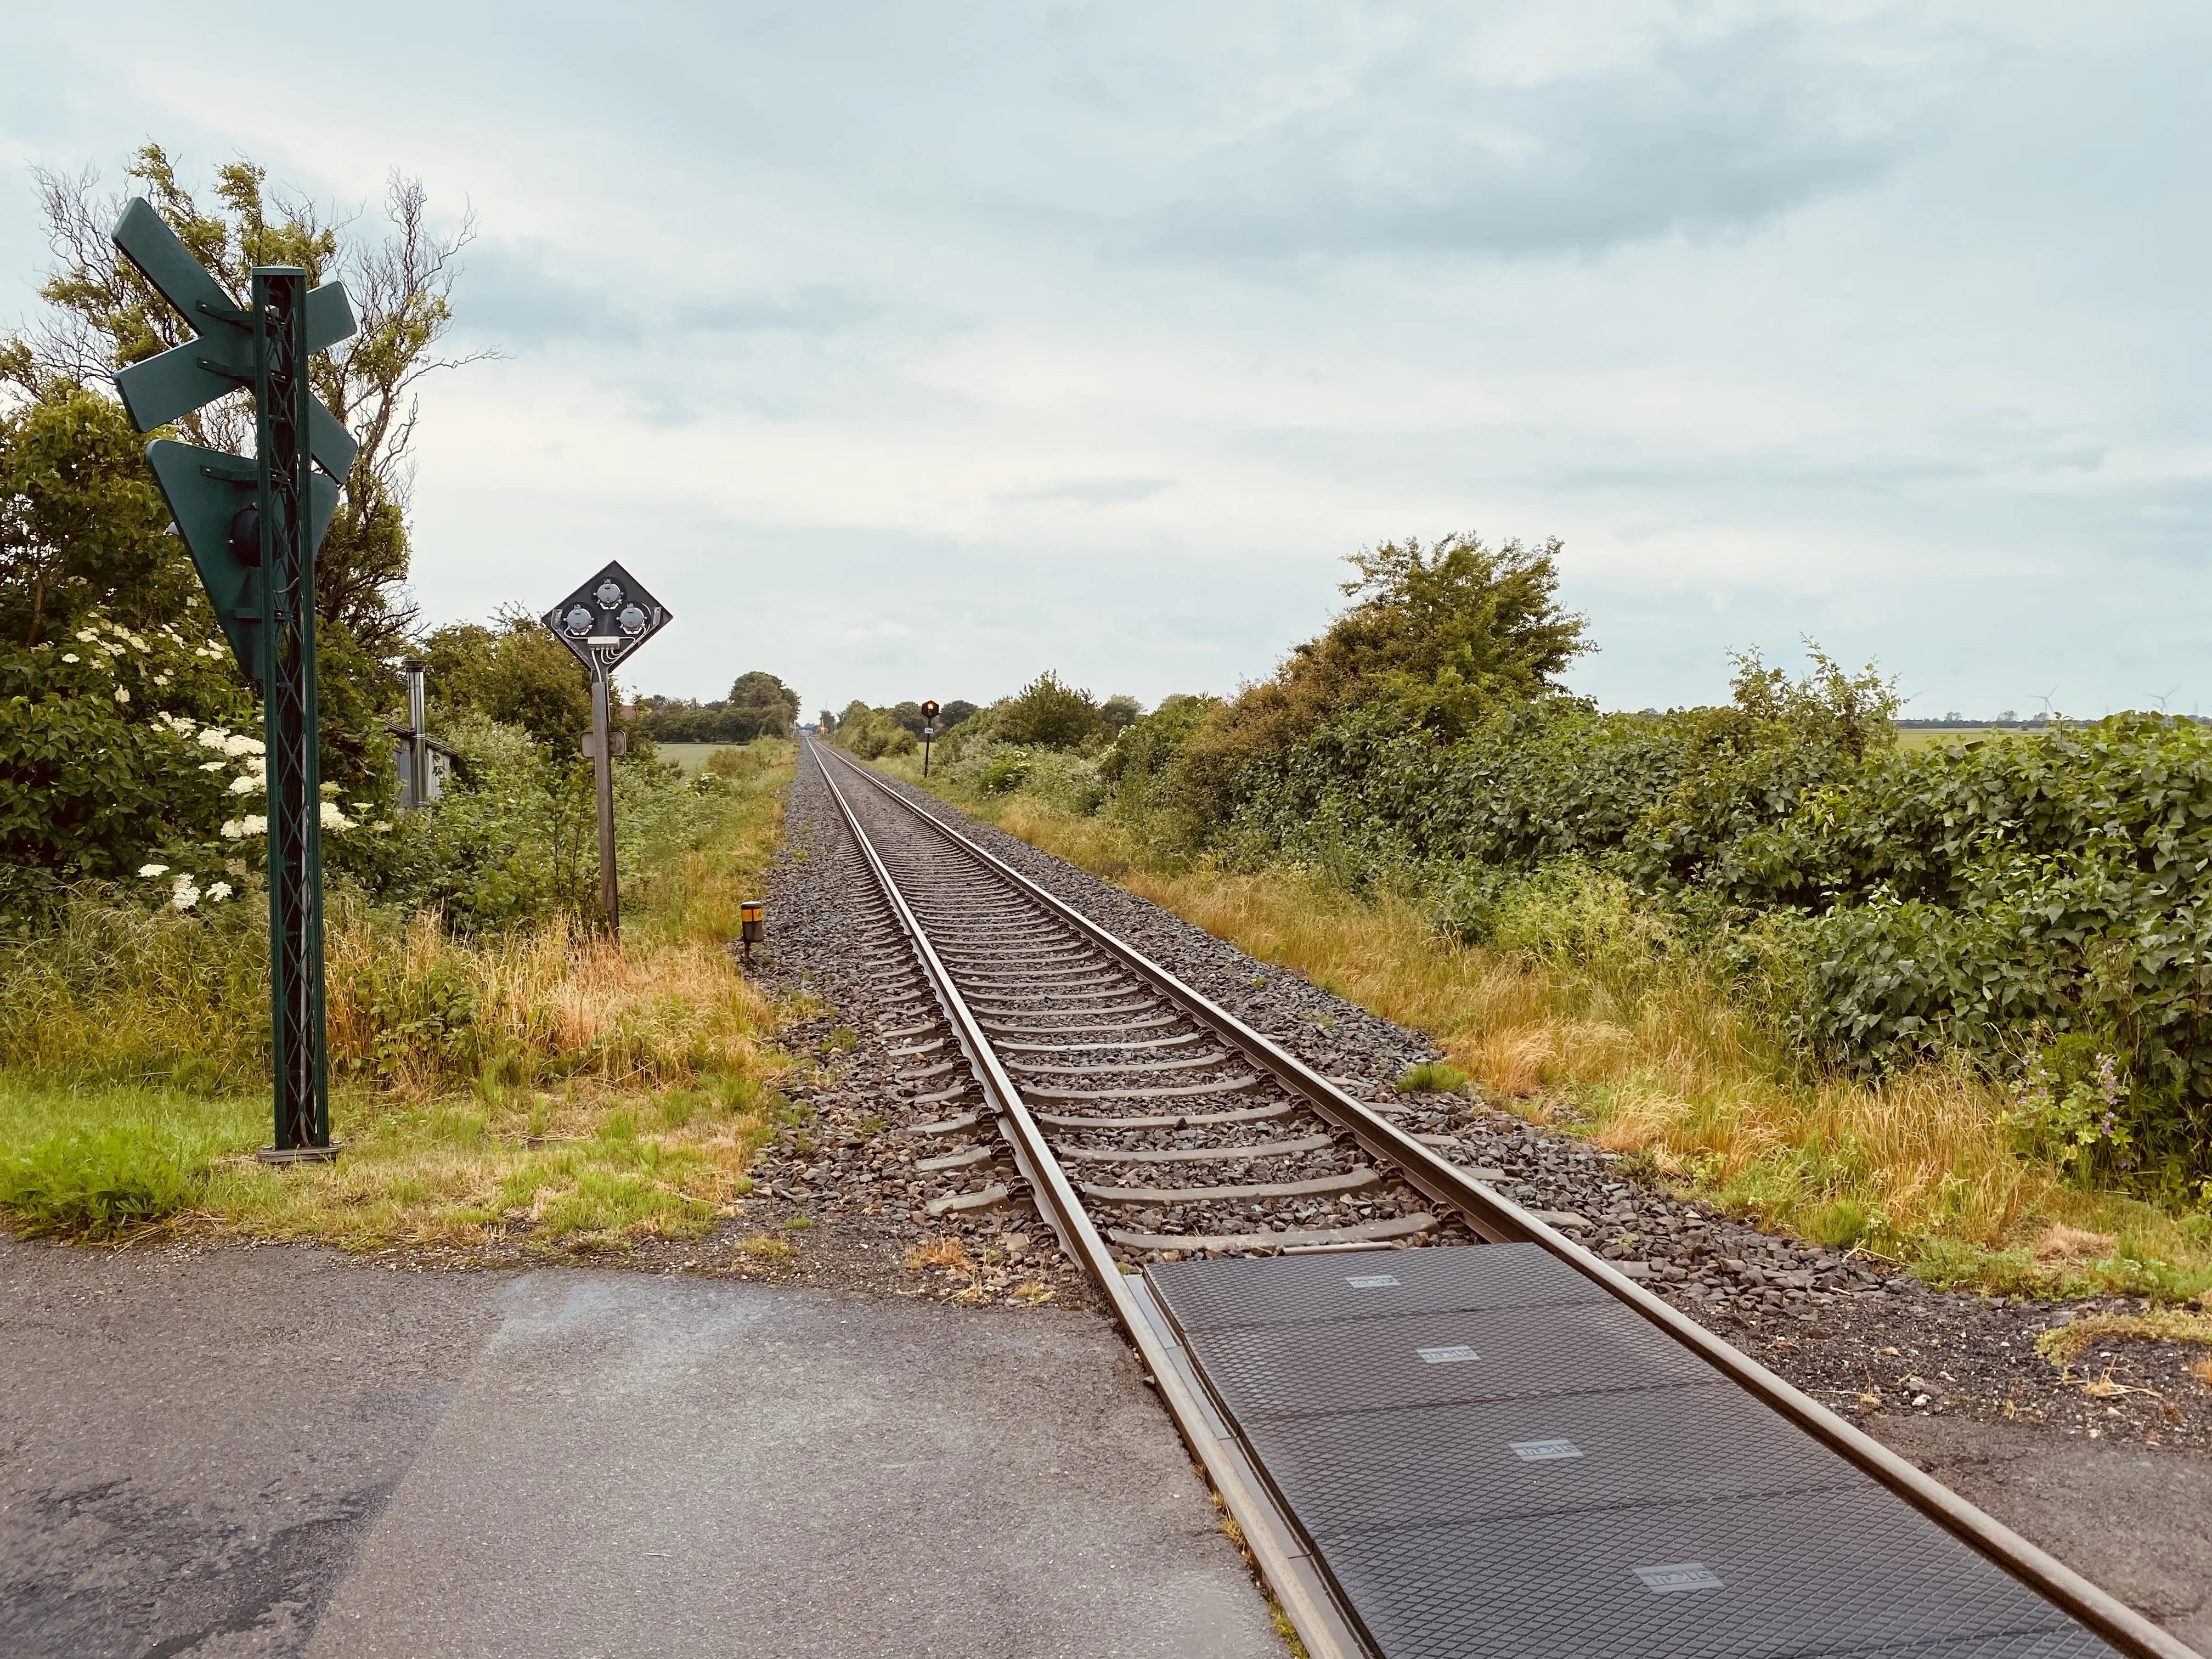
column 210, row 493
column 602, row 622
column 254, row 527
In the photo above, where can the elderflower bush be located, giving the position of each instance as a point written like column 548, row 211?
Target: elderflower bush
column 97, row 778
column 128, row 756
column 243, row 762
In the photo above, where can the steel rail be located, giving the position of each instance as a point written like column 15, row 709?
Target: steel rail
column 1275, row 1543
column 1498, row 1219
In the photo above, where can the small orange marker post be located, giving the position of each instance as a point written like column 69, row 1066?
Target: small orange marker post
column 753, row 924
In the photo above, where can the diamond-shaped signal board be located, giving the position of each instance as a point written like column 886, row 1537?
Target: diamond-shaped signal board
column 607, row 618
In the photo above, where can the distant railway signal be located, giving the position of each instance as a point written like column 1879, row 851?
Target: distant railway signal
column 254, row 527
column 929, row 733
column 602, row 623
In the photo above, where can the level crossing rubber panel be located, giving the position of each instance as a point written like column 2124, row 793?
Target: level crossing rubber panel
column 1490, row 1455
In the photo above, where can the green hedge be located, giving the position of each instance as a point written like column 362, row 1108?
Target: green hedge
column 2042, row 902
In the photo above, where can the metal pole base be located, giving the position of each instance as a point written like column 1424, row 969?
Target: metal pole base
column 301, row 1154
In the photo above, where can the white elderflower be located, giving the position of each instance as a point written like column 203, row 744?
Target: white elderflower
column 334, row 819
column 121, row 695
column 212, row 766
column 153, row 869
column 218, row 891
column 244, row 785
column 68, row 656
column 86, row 636
column 214, row 737
column 184, row 895
column 253, row 823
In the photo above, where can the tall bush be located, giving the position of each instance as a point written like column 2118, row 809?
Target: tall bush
column 1047, row 714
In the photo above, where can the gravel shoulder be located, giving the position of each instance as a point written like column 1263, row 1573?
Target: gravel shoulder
column 2086, row 1462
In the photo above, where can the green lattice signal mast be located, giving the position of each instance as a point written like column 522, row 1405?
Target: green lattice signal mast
column 254, row 527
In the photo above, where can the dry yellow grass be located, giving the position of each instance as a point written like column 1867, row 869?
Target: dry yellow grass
column 2061, row 1243
column 948, row 1253
column 1917, row 1166
column 2069, row 1342
column 643, row 1012
column 619, row 1088
column 766, row 1250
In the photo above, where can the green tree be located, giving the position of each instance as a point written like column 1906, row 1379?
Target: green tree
column 757, row 688
column 514, row 672
column 82, row 526
column 119, row 746
column 1048, row 714
column 1144, row 763
column 870, row 732
column 1439, row 639
column 1854, row 712
column 1446, row 634
column 1120, row 712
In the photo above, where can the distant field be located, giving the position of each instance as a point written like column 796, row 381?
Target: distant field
column 691, row 756
column 1929, row 739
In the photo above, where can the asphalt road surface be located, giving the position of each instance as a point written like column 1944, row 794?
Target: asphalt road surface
column 275, row 1451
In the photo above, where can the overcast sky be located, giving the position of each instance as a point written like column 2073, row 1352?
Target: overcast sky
column 907, row 350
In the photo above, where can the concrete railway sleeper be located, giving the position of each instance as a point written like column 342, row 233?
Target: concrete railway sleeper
column 1443, row 1426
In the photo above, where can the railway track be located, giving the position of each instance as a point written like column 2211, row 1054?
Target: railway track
column 1226, row 1199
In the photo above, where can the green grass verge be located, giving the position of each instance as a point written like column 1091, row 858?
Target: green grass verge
column 98, row 1161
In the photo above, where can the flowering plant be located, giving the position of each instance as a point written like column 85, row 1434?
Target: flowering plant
column 2075, row 1107
column 125, row 753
